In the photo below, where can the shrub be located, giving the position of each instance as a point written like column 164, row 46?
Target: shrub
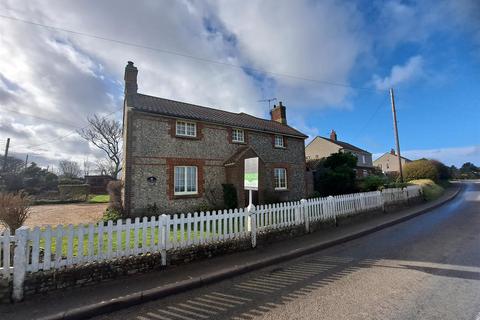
column 443, row 171
column 421, row 169
column 230, row 199
column 74, row 191
column 372, row 183
column 14, row 210
column 111, row 214
column 335, row 174
column 114, row 189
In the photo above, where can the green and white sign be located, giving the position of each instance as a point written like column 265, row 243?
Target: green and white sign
column 250, row 180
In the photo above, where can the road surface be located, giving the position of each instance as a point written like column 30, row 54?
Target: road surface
column 425, row 268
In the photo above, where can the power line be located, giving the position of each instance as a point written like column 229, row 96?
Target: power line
column 37, row 117
column 70, row 133
column 372, row 116
column 189, row 56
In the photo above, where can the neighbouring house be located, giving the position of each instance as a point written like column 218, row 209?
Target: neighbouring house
column 177, row 155
column 321, row 147
column 98, row 183
column 388, row 162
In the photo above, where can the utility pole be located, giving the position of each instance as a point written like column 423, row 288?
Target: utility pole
column 6, row 155
column 395, row 129
column 26, row 162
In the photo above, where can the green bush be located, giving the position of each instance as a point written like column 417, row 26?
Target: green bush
column 114, row 189
column 372, row 183
column 230, row 199
column 74, row 191
column 111, row 214
column 335, row 174
column 421, row 169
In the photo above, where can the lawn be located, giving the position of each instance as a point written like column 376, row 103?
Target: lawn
column 99, row 198
column 430, row 189
column 127, row 239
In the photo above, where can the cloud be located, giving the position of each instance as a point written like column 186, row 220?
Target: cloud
column 449, row 156
column 411, row 70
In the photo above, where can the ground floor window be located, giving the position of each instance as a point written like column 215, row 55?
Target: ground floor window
column 280, row 175
column 185, row 180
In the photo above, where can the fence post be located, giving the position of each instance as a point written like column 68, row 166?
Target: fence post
column 165, row 232
column 19, row 263
column 382, row 200
column 332, row 208
column 304, row 210
column 252, row 224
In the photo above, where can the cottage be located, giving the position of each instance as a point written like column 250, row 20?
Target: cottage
column 177, row 155
column 388, row 162
column 321, row 147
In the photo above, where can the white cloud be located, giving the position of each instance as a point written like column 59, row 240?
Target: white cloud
column 411, row 70
column 449, row 156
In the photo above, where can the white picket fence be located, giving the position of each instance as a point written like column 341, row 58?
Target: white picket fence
column 64, row 246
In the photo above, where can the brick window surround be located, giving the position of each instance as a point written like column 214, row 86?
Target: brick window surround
column 173, row 129
column 172, row 163
column 230, row 134
column 284, row 141
column 285, row 166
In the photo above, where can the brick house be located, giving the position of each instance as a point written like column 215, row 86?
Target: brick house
column 388, row 162
column 321, row 147
column 177, row 155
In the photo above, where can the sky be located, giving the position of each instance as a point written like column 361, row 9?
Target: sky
column 331, row 63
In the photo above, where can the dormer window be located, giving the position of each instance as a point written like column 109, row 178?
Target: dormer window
column 279, row 142
column 186, row 129
column 238, row 135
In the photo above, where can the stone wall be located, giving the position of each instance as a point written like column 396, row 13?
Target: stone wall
column 88, row 274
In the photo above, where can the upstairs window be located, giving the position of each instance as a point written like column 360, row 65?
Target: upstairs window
column 364, row 159
column 186, row 129
column 185, row 180
column 280, row 177
column 238, row 135
column 279, row 143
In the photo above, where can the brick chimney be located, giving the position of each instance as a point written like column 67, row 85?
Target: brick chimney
column 392, row 151
column 130, row 78
column 279, row 113
column 333, row 135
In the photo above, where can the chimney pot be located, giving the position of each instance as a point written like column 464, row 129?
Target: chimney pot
column 392, row 151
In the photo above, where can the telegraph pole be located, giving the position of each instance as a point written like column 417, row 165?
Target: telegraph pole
column 395, row 129
column 6, row 155
column 26, row 162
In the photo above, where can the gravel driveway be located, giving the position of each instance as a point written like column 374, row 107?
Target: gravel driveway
column 74, row 213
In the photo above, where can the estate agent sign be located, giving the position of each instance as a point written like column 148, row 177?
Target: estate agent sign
column 250, row 180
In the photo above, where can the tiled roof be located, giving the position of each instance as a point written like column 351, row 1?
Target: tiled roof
column 345, row 145
column 184, row 110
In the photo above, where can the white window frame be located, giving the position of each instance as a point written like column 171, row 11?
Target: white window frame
column 236, row 133
column 185, row 132
column 280, row 187
column 282, row 145
column 365, row 172
column 364, row 159
column 185, row 168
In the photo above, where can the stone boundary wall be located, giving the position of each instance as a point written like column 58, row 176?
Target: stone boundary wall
column 46, row 281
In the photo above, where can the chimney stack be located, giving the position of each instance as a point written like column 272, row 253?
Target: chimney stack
column 279, row 113
column 333, row 135
column 392, row 151
column 130, row 78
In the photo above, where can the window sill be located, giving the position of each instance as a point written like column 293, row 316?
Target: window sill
column 187, row 137
column 281, row 189
column 277, row 147
column 186, row 196
column 239, row 142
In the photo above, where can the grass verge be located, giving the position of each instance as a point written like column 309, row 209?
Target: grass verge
column 99, row 198
column 430, row 189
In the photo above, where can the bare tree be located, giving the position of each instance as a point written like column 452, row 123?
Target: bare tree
column 69, row 169
column 14, row 210
column 106, row 135
column 106, row 167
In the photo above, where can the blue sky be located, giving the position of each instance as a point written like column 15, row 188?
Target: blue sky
column 429, row 51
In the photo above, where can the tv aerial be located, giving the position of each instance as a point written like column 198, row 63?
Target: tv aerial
column 269, row 101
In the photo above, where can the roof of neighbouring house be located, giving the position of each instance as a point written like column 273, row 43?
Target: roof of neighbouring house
column 185, row 110
column 342, row 144
column 388, row 153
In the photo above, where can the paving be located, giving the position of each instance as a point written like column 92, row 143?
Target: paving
column 64, row 301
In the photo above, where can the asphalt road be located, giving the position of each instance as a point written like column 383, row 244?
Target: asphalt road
column 425, row 268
